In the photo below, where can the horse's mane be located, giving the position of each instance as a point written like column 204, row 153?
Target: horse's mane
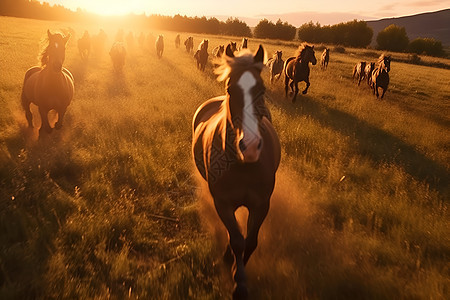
column 242, row 61
column 382, row 56
column 43, row 56
column 301, row 50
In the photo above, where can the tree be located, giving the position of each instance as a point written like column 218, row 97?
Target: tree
column 310, row 32
column 280, row 31
column 429, row 46
column 393, row 38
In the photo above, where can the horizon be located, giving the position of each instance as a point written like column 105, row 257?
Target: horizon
column 295, row 14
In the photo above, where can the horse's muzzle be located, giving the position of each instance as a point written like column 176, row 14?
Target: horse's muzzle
column 250, row 150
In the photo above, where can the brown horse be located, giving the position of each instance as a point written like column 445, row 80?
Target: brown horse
column 84, row 45
column 358, row 71
column 237, row 151
column 275, row 65
column 49, row 86
column 201, row 55
column 380, row 76
column 296, row 69
column 325, row 58
column 233, row 46
column 118, row 54
column 243, row 44
column 159, row 45
column 368, row 72
column 218, row 51
column 189, row 44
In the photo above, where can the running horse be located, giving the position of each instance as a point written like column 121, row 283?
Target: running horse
column 84, row 45
column 275, row 65
column 359, row 71
column 49, row 86
column 296, row 69
column 201, row 55
column 189, row 44
column 325, row 58
column 237, row 151
column 159, row 46
column 380, row 76
column 244, row 44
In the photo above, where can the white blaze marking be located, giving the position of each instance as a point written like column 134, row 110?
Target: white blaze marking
column 249, row 121
column 56, row 45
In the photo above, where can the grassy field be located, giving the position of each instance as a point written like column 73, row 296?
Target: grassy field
column 110, row 206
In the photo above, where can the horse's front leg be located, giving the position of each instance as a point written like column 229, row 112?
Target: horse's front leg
column 256, row 217
column 28, row 114
column 384, row 91
column 61, row 113
column 237, row 245
column 286, row 85
column 44, row 120
column 307, row 86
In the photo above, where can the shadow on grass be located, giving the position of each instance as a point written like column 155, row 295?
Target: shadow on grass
column 374, row 143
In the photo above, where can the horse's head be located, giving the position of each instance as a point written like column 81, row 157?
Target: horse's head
column 385, row 62
column 307, row 54
column 233, row 46
column 279, row 54
column 55, row 53
column 245, row 100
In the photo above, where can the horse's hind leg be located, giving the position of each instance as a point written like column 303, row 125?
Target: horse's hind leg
column 61, row 114
column 382, row 94
column 286, row 85
column 255, row 220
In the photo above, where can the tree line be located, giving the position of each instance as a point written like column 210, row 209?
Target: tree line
column 352, row 34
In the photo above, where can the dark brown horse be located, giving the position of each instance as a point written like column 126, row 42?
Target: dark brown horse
column 159, row 46
column 237, row 151
column 218, row 51
column 275, row 65
column 325, row 58
column 358, row 71
column 189, row 44
column 201, row 55
column 244, row 44
column 296, row 69
column 380, row 76
column 49, row 86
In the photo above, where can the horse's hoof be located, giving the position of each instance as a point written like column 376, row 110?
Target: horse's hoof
column 58, row 125
column 293, row 100
column 240, row 292
column 304, row 92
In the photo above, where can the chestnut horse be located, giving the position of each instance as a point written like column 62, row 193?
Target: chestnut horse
column 159, row 45
column 237, row 151
column 84, row 45
column 118, row 54
column 296, row 69
column 325, row 58
column 189, row 44
column 380, row 76
column 49, row 86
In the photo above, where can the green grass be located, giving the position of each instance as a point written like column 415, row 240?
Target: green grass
column 110, row 206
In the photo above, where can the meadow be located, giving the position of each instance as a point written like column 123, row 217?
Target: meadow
column 110, row 206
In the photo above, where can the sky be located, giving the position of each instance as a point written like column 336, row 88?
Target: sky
column 295, row 12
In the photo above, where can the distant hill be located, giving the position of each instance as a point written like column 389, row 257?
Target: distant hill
column 427, row 25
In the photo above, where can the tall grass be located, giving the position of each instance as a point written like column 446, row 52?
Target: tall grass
column 109, row 206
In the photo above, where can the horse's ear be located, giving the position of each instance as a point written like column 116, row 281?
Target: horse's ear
column 48, row 33
column 228, row 51
column 259, row 56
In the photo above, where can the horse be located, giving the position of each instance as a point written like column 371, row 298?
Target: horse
column 177, row 41
column 84, row 45
column 358, row 71
column 236, row 150
column 275, row 65
column 118, row 54
column 49, row 86
column 189, row 44
column 218, row 51
column 368, row 72
column 233, row 46
column 325, row 58
column 243, row 44
column 380, row 76
column 201, row 55
column 296, row 69
column 159, row 45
